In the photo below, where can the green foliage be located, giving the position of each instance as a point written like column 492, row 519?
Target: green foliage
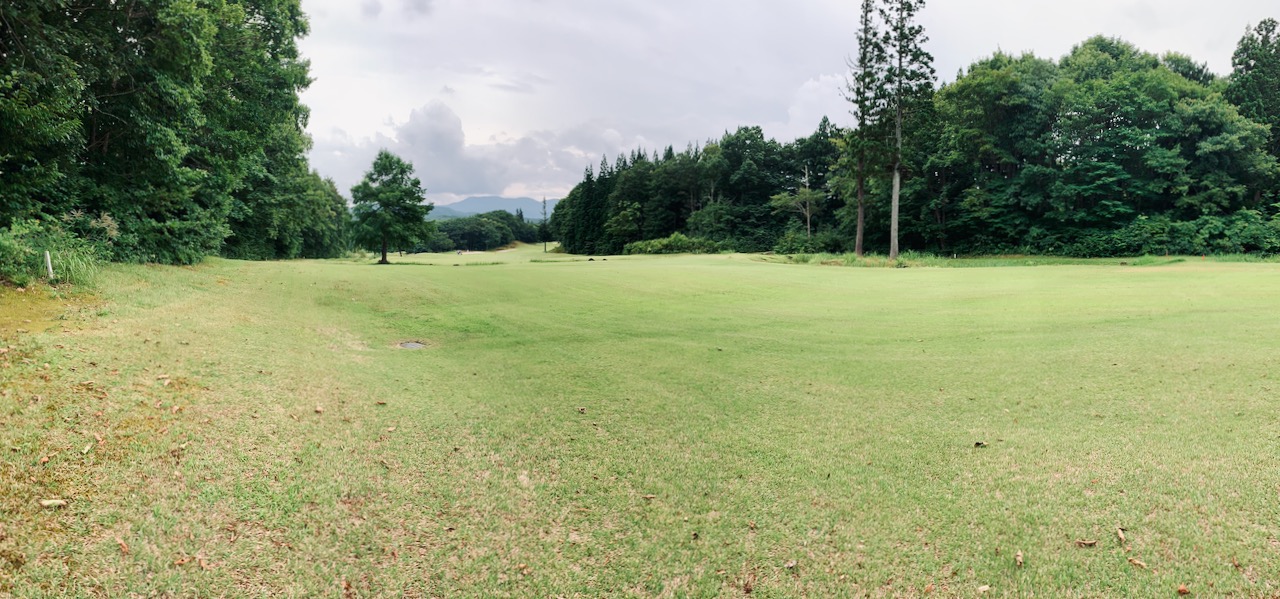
column 388, row 206
column 482, row 232
column 76, row 259
column 179, row 118
column 1255, row 76
column 677, row 243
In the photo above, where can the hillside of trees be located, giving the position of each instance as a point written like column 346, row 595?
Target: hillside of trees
column 160, row 131
column 1109, row 150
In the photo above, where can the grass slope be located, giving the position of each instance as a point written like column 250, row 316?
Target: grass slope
column 675, row 426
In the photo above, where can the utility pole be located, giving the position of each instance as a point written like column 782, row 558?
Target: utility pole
column 542, row 231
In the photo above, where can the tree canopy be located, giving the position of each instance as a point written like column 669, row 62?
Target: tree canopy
column 180, row 121
column 388, row 206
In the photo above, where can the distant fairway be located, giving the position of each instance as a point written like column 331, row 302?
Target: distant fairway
column 647, row 426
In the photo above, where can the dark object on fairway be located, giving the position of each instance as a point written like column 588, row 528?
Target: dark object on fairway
column 980, row 444
column 591, row 259
column 604, row 259
column 582, row 410
column 412, row 345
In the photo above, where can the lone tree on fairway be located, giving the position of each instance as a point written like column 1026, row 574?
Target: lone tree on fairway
column 388, row 205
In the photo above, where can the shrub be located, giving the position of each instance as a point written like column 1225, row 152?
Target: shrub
column 76, row 260
column 793, row 242
column 677, row 243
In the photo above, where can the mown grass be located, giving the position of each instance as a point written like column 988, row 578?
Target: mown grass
column 678, row 426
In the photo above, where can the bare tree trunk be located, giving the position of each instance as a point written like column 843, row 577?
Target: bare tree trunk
column 897, row 157
column 384, row 251
column 893, row 220
column 862, row 206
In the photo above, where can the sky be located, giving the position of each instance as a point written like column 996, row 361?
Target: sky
column 517, row 97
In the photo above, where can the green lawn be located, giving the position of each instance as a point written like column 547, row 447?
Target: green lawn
column 645, row 426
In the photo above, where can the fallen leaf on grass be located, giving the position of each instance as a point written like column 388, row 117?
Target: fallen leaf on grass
column 391, row 429
column 182, row 560
column 319, row 410
column 1085, row 543
column 1183, row 590
column 791, row 565
column 1017, row 558
column 124, row 547
column 53, row 503
column 928, row 588
column 382, row 403
column 984, row 588
column 1137, row 562
column 582, row 410
column 979, row 443
column 1120, row 534
column 649, row 497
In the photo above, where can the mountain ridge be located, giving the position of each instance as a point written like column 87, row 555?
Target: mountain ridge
column 473, row 205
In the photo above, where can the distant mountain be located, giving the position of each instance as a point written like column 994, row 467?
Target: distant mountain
column 444, row 212
column 480, row 204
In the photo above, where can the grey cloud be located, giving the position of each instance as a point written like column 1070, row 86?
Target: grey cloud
column 540, row 163
column 419, row 7
column 371, row 8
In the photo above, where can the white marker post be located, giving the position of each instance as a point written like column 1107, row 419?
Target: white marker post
column 48, row 264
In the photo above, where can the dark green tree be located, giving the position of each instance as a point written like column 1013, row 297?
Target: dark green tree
column 388, row 205
column 1254, row 85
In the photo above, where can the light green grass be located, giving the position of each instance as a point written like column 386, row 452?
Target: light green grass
column 671, row 426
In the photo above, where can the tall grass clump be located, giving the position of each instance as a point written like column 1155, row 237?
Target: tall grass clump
column 77, row 248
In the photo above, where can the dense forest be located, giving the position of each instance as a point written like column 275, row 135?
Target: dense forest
column 159, row 131
column 1109, row 150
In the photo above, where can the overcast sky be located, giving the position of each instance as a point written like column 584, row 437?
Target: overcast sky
column 517, row 97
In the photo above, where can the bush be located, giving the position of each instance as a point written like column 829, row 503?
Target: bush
column 677, row 243
column 1244, row 232
column 793, row 242
column 76, row 260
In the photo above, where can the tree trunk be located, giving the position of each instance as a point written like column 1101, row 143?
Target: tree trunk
column 893, row 218
column 897, row 135
column 384, row 251
column 862, row 206
column 808, row 228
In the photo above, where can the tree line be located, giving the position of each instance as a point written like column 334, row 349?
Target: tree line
column 1109, row 150
column 160, row 131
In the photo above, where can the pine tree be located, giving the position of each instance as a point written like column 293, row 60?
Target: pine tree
column 908, row 77
column 866, row 91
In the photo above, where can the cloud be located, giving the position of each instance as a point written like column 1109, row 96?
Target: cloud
column 519, row 96
column 542, row 163
column 418, row 7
